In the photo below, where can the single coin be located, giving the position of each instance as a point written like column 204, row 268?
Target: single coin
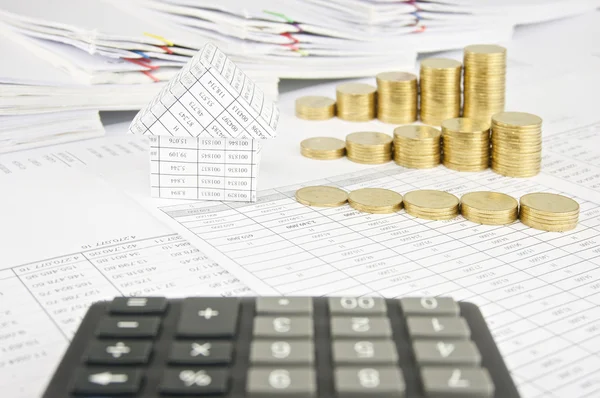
column 464, row 125
column 356, row 89
column 440, row 63
column 416, row 132
column 315, row 107
column 493, row 208
column 431, row 204
column 550, row 203
column 322, row 196
column 375, row 200
column 517, row 119
column 323, row 147
column 386, row 77
column 369, row 138
column 485, row 49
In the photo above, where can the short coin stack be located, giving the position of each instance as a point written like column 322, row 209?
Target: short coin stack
column 489, row 208
column 440, row 90
column 417, row 147
column 323, row 148
column 397, row 97
column 484, row 80
column 369, row 147
column 549, row 212
column 313, row 107
column 356, row 102
column 516, row 144
column 431, row 204
column 375, row 200
column 321, row 196
column 466, row 144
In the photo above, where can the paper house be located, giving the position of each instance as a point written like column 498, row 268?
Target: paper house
column 205, row 129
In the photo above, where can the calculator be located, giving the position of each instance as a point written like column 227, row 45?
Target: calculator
column 296, row 347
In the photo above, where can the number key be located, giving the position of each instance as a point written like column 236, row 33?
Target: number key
column 288, row 327
column 442, row 382
column 282, row 352
column 357, row 306
column 446, row 353
column 438, row 327
column 355, row 382
column 281, row 382
column 429, row 306
column 358, row 327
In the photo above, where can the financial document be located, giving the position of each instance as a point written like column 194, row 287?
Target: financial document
column 70, row 239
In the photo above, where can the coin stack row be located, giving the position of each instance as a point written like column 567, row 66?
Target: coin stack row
column 462, row 143
column 543, row 211
column 395, row 98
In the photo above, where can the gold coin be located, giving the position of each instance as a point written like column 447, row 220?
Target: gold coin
column 314, row 107
column 375, row 200
column 369, row 138
column 356, row 89
column 414, row 132
column 440, row 63
column 464, row 125
column 489, row 202
column 549, row 227
column 321, row 196
column 517, row 120
column 395, row 77
column 431, row 204
column 323, row 147
column 550, row 203
column 485, row 49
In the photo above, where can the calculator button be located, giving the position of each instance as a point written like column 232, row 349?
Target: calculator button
column 284, row 305
column 208, row 317
column 281, row 383
column 446, row 353
column 375, row 382
column 283, row 327
column 195, row 381
column 358, row 327
column 108, row 382
column 282, row 352
column 138, row 305
column 442, row 382
column 128, row 327
column 201, row 353
column 438, row 327
column 429, row 306
column 365, row 352
column 357, row 306
column 118, row 352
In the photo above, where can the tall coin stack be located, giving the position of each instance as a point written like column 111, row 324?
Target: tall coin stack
column 516, row 144
column 397, row 97
column 484, row 80
column 356, row 102
column 440, row 90
column 549, row 212
column 417, row 147
column 466, row 144
column 369, row 147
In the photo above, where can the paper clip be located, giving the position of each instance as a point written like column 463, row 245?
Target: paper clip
column 150, row 75
column 145, row 64
column 157, row 37
column 277, row 14
column 142, row 54
column 167, row 49
column 289, row 36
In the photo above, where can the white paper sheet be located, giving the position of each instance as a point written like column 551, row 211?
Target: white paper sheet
column 58, row 256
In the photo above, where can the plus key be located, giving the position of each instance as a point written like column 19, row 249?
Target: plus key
column 208, row 317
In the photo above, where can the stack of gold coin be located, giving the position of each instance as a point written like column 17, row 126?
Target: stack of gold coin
column 397, row 97
column 489, row 208
column 484, row 80
column 466, row 144
column 314, row 107
column 323, row 148
column 356, row 101
column 369, row 147
column 375, row 200
column 516, row 144
column 322, row 196
column 417, row 147
column 440, row 90
column 431, row 204
column 549, row 212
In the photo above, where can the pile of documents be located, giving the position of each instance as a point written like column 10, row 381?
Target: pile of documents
column 115, row 55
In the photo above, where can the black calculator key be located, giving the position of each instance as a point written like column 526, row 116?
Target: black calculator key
column 128, row 327
column 195, row 381
column 201, row 352
column 138, row 305
column 107, row 382
column 208, row 317
column 114, row 352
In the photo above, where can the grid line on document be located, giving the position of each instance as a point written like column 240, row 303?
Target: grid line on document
column 545, row 327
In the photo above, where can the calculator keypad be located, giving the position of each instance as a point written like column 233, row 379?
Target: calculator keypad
column 338, row 347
